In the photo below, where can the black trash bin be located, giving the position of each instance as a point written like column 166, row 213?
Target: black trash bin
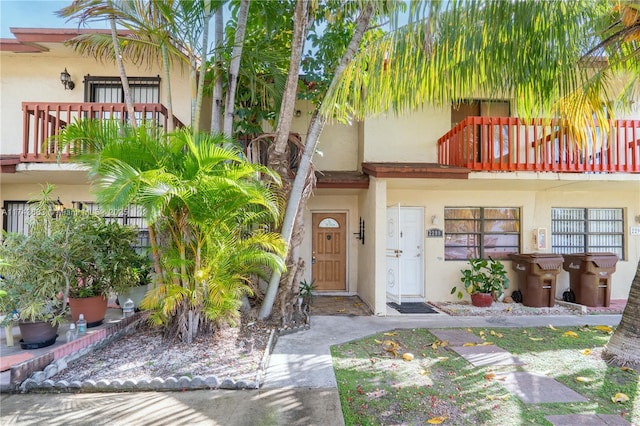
column 537, row 274
column 590, row 277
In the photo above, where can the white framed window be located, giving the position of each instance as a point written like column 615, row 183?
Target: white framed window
column 587, row 230
column 480, row 232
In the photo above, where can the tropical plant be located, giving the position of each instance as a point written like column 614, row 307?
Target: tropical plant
column 305, row 289
column 483, row 276
column 207, row 212
column 68, row 253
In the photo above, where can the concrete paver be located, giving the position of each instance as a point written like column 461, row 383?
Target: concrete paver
column 480, row 356
column 587, row 420
column 534, row 388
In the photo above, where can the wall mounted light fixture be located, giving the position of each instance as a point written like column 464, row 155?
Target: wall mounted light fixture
column 360, row 234
column 434, row 220
column 65, row 78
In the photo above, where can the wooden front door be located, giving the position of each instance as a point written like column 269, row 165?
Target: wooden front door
column 329, row 252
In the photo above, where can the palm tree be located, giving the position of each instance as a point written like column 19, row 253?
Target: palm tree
column 207, row 211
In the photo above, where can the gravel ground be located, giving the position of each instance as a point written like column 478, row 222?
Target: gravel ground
column 234, row 353
column 500, row 309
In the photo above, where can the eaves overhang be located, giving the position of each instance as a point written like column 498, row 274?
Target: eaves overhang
column 415, row 170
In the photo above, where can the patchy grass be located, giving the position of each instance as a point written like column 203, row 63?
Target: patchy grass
column 378, row 387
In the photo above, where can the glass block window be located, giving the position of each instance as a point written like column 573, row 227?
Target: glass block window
column 587, row 230
column 480, row 232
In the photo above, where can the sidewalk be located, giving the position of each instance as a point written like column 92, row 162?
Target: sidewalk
column 300, row 386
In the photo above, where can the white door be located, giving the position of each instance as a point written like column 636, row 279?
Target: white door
column 411, row 253
column 393, row 254
column 405, row 264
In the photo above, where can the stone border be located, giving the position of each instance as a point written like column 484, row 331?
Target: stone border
column 40, row 380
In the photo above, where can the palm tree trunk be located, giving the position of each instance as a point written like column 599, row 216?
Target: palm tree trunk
column 123, row 74
column 203, row 66
column 623, row 348
column 278, row 158
column 216, row 110
column 234, row 68
column 167, row 77
column 296, row 200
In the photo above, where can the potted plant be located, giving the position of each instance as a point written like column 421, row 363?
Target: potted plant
column 484, row 281
column 306, row 292
column 142, row 268
column 110, row 267
column 32, row 274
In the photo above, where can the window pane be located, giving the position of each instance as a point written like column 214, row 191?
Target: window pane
column 504, row 240
column 462, row 240
column 472, row 232
column 461, row 253
column 504, row 213
column 459, row 226
column 501, row 226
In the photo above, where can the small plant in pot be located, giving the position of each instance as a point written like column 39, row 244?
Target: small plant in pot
column 306, row 292
column 484, row 281
column 110, row 267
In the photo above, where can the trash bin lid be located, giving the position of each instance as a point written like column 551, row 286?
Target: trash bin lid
column 602, row 260
column 545, row 261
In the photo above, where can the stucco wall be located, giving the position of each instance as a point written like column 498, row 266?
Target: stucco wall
column 410, row 138
column 338, row 144
column 535, row 207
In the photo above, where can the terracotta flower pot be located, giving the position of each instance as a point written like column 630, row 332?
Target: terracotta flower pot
column 482, row 300
column 38, row 334
column 93, row 308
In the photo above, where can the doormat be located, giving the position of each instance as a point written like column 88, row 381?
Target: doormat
column 412, row 308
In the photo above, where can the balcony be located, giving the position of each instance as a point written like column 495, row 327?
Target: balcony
column 510, row 144
column 43, row 120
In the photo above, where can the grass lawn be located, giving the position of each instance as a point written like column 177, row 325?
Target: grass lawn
column 378, row 387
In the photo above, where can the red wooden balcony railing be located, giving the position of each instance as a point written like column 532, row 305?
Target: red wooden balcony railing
column 538, row 145
column 43, row 120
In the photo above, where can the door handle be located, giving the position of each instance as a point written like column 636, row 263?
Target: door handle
column 313, row 260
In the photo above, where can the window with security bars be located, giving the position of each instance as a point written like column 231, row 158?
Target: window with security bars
column 587, row 230
column 16, row 216
column 143, row 90
column 480, row 232
column 132, row 216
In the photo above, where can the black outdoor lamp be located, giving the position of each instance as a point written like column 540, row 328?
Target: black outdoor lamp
column 65, row 78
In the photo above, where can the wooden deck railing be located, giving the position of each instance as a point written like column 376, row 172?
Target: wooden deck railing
column 513, row 144
column 43, row 120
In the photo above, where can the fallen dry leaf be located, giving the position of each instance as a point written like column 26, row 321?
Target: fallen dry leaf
column 584, row 379
column 424, row 372
column 585, row 351
column 627, row 369
column 469, row 344
column 604, row 328
column 570, row 334
column 536, row 339
column 489, row 376
column 552, row 327
column 407, row 356
column 391, row 333
column 437, row 420
column 620, row 397
column 341, row 310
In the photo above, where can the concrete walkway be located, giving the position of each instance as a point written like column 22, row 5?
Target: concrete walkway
column 300, row 386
